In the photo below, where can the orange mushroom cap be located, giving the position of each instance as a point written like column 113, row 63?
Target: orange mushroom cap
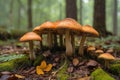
column 106, row 56
column 69, row 24
column 30, row 36
column 89, row 30
column 45, row 27
column 36, row 28
column 99, row 51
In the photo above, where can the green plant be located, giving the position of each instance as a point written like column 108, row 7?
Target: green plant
column 15, row 64
column 61, row 73
column 100, row 74
column 4, row 58
column 115, row 69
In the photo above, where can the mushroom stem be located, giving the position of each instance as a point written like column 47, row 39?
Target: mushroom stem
column 73, row 42
column 32, row 54
column 81, row 48
column 49, row 39
column 41, row 44
column 68, row 44
column 106, row 64
column 61, row 40
column 55, row 40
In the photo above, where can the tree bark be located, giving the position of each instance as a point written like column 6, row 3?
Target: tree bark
column 115, row 26
column 81, row 11
column 71, row 9
column 29, row 13
column 99, row 17
column 60, row 9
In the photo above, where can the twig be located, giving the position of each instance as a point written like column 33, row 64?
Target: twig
column 55, row 72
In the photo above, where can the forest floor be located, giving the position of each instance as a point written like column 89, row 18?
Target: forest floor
column 63, row 67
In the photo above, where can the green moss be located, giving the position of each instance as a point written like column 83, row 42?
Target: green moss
column 38, row 60
column 22, row 62
column 100, row 74
column 62, row 73
column 115, row 69
column 7, row 66
column 15, row 64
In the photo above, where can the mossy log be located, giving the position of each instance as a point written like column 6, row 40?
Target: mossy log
column 15, row 64
column 100, row 74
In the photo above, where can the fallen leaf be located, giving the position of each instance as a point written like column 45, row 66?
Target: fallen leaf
column 48, row 68
column 43, row 65
column 84, row 78
column 6, row 72
column 70, row 69
column 19, row 76
column 75, row 61
column 12, row 77
column 39, row 70
column 92, row 63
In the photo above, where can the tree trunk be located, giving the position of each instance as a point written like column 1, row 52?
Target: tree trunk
column 80, row 11
column 19, row 13
column 60, row 9
column 29, row 12
column 11, row 13
column 71, row 9
column 99, row 17
column 115, row 26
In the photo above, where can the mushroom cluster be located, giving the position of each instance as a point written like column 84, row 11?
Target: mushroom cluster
column 67, row 29
column 99, row 53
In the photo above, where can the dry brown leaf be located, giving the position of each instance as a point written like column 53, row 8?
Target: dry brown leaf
column 70, row 69
column 19, row 76
column 84, row 78
column 48, row 68
column 75, row 61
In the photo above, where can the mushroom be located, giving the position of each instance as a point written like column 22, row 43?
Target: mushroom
column 55, row 35
column 30, row 37
column 87, row 31
column 36, row 30
column 91, row 50
column 68, row 26
column 98, row 52
column 46, row 28
column 107, row 57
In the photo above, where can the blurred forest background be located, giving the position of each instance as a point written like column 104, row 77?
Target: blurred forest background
column 23, row 15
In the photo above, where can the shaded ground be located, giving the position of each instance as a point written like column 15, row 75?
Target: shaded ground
column 72, row 68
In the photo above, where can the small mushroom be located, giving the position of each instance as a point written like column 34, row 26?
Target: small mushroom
column 30, row 37
column 107, row 57
column 91, row 50
column 98, row 52
column 87, row 31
